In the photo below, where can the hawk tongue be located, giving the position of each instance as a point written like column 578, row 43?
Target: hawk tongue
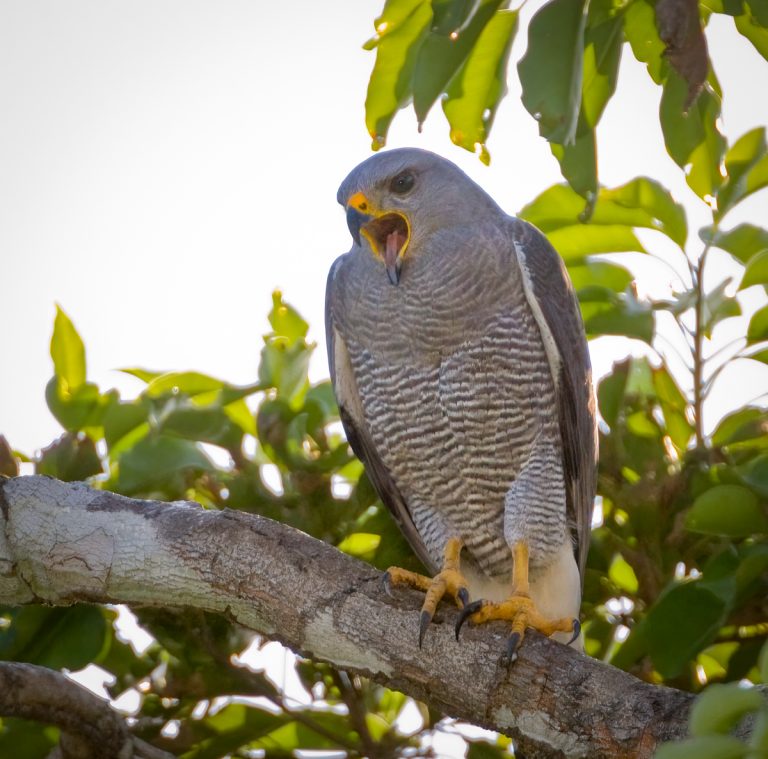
column 392, row 248
column 395, row 241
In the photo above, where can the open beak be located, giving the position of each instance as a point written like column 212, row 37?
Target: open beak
column 355, row 220
column 387, row 233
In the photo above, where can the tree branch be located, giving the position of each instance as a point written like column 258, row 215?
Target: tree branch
column 90, row 728
column 62, row 543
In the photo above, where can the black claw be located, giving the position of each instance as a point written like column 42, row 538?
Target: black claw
column 424, row 621
column 463, row 595
column 513, row 643
column 576, row 631
column 466, row 613
column 386, row 581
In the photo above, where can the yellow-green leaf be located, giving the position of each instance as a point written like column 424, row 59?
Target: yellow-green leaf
column 476, row 90
column 360, row 544
column 757, row 270
column 728, row 510
column 576, row 242
column 401, row 29
column 67, row 352
column 622, row 574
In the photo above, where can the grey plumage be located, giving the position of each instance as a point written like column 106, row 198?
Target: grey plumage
column 466, row 388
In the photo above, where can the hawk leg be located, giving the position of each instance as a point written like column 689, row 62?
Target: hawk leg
column 519, row 609
column 448, row 581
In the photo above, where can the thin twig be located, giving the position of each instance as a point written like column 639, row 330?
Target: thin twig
column 698, row 358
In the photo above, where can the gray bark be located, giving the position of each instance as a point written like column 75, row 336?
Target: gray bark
column 90, row 729
column 62, row 543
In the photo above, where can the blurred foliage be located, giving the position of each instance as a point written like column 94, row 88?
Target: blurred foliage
column 457, row 52
column 676, row 588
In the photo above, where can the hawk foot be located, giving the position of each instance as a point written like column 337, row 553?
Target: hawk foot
column 522, row 612
column 449, row 581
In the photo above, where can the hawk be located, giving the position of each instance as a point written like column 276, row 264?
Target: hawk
column 460, row 366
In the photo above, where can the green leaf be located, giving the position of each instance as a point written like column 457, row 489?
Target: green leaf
column 67, row 352
column 401, row 29
column 741, row 161
column 642, row 202
column 758, row 741
column 485, row 750
column 648, row 196
column 70, row 458
column 757, row 331
column 322, row 394
column 718, row 306
column 241, row 415
column 640, row 380
column 674, row 406
column 121, row 418
column 626, row 316
column 693, row 139
column 295, row 735
column 600, row 274
column 750, row 28
column 558, row 206
column 684, row 620
column 450, row 40
column 9, row 466
column 711, row 747
column 603, row 40
column 234, row 726
column 63, row 637
column 622, row 574
column 207, row 424
column 742, row 242
column 755, row 474
column 360, row 544
column 759, row 11
column 745, row 424
column 578, row 164
column 551, row 69
column 284, row 367
column 643, row 37
column 727, row 7
column 610, row 393
column 160, row 462
column 76, row 409
column 189, row 383
column 756, row 272
column 145, row 375
column 761, row 356
column 729, row 510
column 285, row 320
column 476, row 90
column 22, row 739
column 721, row 707
column 577, row 242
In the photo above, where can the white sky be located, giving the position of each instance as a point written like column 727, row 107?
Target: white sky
column 164, row 165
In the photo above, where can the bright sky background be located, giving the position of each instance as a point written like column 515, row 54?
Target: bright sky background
column 165, row 165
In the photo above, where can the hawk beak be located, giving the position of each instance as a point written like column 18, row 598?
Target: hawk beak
column 388, row 233
column 355, row 220
column 358, row 214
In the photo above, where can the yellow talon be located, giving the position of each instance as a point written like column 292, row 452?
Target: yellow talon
column 448, row 581
column 519, row 609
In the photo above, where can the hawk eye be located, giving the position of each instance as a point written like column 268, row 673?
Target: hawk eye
column 402, row 183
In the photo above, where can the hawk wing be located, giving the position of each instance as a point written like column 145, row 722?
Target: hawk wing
column 553, row 302
column 356, row 427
